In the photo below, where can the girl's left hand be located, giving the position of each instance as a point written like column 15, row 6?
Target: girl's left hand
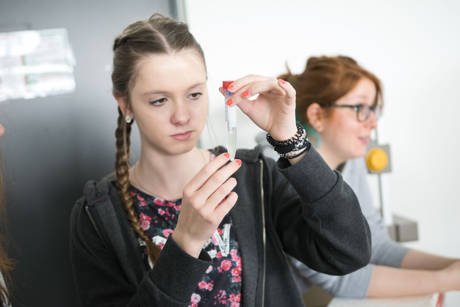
column 274, row 108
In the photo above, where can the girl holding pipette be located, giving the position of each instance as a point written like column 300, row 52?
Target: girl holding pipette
column 184, row 226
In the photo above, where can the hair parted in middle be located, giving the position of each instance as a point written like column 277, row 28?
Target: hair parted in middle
column 156, row 35
column 325, row 80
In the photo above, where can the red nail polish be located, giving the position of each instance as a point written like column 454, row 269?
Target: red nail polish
column 231, row 87
column 226, row 84
column 245, row 93
column 282, row 81
column 229, row 102
column 227, row 155
column 238, row 161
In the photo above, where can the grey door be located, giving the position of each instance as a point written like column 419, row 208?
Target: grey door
column 53, row 145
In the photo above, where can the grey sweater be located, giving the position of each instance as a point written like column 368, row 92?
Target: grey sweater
column 384, row 250
column 305, row 210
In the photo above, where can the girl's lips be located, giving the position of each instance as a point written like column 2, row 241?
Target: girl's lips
column 182, row 136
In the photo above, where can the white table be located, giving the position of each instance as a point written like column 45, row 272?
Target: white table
column 434, row 300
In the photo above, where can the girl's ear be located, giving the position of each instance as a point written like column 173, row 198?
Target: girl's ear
column 124, row 107
column 315, row 115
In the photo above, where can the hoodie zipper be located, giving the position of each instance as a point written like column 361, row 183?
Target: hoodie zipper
column 263, row 229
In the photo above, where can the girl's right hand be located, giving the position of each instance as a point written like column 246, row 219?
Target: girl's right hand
column 207, row 198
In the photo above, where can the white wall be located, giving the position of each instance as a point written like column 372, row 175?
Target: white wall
column 413, row 46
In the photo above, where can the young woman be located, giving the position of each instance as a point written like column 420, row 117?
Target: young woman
column 340, row 103
column 5, row 262
column 186, row 226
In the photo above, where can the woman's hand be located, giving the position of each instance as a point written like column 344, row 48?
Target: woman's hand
column 452, row 276
column 207, row 198
column 274, row 108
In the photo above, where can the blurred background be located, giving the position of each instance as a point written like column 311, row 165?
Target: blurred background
column 412, row 46
column 56, row 143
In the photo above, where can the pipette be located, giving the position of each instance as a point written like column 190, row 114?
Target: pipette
column 230, row 119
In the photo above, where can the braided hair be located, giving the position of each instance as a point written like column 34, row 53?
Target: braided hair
column 156, row 35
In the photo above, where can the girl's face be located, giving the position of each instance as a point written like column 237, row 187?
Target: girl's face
column 169, row 101
column 342, row 134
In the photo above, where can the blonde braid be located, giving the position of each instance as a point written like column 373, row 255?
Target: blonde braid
column 122, row 135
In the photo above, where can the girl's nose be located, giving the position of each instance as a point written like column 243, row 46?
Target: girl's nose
column 180, row 114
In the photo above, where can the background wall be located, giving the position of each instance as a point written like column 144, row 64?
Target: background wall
column 53, row 145
column 412, row 46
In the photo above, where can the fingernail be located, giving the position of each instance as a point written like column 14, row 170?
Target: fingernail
column 231, row 87
column 282, row 81
column 229, row 102
column 238, row 161
column 245, row 93
column 227, row 155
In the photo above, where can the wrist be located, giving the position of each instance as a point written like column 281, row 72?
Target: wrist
column 284, row 135
column 444, row 280
column 190, row 246
column 293, row 147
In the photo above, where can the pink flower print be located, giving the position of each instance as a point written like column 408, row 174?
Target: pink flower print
column 144, row 221
column 142, row 203
column 236, row 279
column 168, row 213
column 222, row 297
column 206, row 285
column 238, row 263
column 167, row 232
column 161, row 212
column 219, row 254
column 202, row 284
column 235, row 257
column 214, row 240
column 236, row 272
column 140, row 197
column 220, row 231
column 178, row 207
column 132, row 194
column 235, row 304
column 159, row 201
column 209, row 269
column 171, row 204
column 235, row 298
column 196, row 298
column 226, row 265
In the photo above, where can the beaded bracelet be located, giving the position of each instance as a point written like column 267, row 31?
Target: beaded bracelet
column 292, row 147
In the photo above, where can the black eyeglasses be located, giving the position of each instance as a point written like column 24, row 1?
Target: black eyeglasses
column 363, row 111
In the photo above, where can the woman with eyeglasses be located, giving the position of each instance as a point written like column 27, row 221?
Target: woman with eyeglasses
column 339, row 102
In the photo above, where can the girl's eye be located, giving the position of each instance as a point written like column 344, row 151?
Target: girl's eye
column 195, row 96
column 158, row 102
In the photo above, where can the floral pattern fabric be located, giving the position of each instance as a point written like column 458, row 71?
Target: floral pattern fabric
column 221, row 283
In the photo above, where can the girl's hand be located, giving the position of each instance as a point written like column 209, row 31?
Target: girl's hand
column 207, row 198
column 274, row 108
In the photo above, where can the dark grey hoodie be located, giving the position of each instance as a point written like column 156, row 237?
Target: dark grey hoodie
column 308, row 212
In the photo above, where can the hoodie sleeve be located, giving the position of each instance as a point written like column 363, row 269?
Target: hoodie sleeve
column 103, row 279
column 317, row 216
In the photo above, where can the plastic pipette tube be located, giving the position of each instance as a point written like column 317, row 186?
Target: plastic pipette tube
column 230, row 119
